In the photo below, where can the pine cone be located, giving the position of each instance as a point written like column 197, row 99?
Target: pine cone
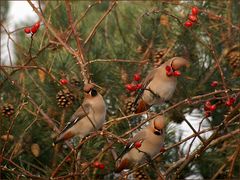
column 129, row 106
column 234, row 62
column 65, row 98
column 8, row 110
column 140, row 175
column 158, row 57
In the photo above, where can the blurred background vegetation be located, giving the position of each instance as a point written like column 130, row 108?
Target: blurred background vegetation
column 145, row 33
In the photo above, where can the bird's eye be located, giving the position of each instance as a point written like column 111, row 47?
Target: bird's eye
column 93, row 92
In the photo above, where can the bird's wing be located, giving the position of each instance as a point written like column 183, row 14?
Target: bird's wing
column 140, row 136
column 80, row 113
column 145, row 83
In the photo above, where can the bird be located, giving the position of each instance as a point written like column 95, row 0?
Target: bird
column 151, row 140
column 90, row 116
column 159, row 85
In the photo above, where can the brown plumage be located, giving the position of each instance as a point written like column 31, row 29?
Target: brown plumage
column 151, row 138
column 158, row 86
column 88, row 117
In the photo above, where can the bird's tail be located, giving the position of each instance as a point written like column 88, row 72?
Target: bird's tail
column 132, row 106
column 124, row 164
column 141, row 106
column 63, row 137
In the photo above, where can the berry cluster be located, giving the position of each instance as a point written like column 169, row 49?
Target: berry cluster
column 171, row 72
column 192, row 18
column 134, row 86
column 32, row 29
column 230, row 101
column 209, row 108
column 98, row 165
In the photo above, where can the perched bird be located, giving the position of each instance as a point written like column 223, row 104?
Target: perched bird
column 143, row 146
column 89, row 116
column 160, row 84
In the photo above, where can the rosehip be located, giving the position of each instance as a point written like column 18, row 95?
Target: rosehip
column 168, row 68
column 177, row 73
column 230, row 101
column 27, row 30
column 192, row 18
column 139, row 86
column 137, row 144
column 212, row 107
column 137, row 77
column 188, row 24
column 195, row 10
column 169, row 73
column 63, row 81
column 96, row 164
column 101, row 166
column 33, row 29
column 208, row 104
column 37, row 25
column 214, row 83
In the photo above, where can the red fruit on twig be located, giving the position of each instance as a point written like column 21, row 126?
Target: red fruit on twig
column 214, row 83
column 63, row 81
column 176, row 73
column 137, row 77
column 192, row 18
column 168, row 68
column 230, row 101
column 213, row 107
column 131, row 87
column 101, row 166
column 188, row 24
column 139, row 86
column 96, row 164
column 33, row 29
column 37, row 25
column 137, row 144
column 195, row 10
column 27, row 30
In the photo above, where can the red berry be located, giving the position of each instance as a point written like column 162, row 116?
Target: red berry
column 27, row 30
column 33, row 29
column 168, row 68
column 63, row 81
column 192, row 18
column 139, row 86
column 208, row 104
column 177, row 73
column 228, row 103
column 37, row 25
column 137, row 77
column 129, row 87
column 214, row 83
column 195, row 10
column 212, row 107
column 101, row 166
column 68, row 159
column 169, row 73
column 96, row 164
column 137, row 144
column 232, row 100
column 188, row 24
